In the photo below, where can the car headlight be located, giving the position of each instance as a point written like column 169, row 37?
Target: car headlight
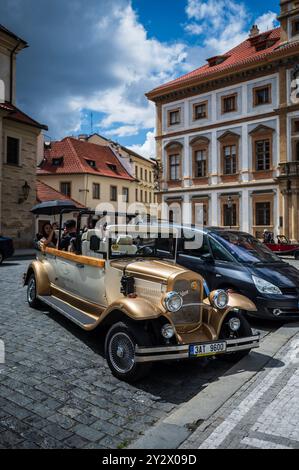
column 219, row 299
column 167, row 331
column 173, row 301
column 265, row 287
column 234, row 323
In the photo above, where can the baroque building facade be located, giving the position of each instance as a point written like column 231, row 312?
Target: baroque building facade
column 228, row 135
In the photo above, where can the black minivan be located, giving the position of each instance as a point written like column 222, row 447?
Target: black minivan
column 236, row 260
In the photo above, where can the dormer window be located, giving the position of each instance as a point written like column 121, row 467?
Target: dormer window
column 112, row 167
column 57, row 161
column 216, row 60
column 262, row 41
column 91, row 163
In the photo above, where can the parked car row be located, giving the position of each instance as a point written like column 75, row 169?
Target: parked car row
column 6, row 248
column 235, row 260
column 163, row 292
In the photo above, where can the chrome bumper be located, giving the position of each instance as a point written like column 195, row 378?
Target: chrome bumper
column 181, row 351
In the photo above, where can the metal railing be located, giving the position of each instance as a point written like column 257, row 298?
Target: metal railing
column 289, row 169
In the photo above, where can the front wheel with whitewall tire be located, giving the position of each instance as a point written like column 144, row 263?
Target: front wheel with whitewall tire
column 243, row 332
column 120, row 344
column 32, row 292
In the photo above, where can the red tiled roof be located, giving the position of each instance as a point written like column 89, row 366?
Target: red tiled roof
column 244, row 53
column 16, row 114
column 45, row 193
column 76, row 154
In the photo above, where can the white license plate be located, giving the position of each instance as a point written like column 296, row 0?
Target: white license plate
column 207, row 349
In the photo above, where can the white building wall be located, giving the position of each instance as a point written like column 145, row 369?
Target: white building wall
column 222, row 124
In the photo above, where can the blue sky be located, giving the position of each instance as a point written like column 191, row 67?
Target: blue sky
column 99, row 57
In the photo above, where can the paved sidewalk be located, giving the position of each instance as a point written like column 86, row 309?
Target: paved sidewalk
column 264, row 413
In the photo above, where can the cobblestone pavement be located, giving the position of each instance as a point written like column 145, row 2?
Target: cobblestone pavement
column 263, row 414
column 56, row 390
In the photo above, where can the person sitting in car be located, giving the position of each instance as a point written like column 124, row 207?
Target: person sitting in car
column 69, row 236
column 47, row 237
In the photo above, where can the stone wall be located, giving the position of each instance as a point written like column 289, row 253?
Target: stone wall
column 16, row 221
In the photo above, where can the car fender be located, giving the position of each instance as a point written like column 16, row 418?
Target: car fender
column 135, row 308
column 241, row 302
column 43, row 286
column 235, row 301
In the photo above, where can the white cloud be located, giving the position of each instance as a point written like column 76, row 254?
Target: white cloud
column 103, row 61
column 194, row 29
column 148, row 149
column 228, row 21
column 123, row 131
column 267, row 21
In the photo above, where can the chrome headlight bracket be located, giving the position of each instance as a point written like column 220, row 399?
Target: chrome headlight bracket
column 220, row 299
column 173, row 302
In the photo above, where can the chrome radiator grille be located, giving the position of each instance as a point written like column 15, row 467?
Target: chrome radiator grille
column 191, row 312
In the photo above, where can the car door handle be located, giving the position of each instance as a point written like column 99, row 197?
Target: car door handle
column 81, row 266
column 218, row 275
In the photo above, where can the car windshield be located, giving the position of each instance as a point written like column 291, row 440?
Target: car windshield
column 245, row 248
column 140, row 244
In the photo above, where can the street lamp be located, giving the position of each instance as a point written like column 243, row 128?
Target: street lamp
column 25, row 192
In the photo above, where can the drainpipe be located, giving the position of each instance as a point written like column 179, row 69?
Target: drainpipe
column 11, row 70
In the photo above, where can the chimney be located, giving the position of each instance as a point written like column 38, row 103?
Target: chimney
column 83, row 137
column 254, row 31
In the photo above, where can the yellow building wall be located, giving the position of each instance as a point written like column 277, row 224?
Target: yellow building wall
column 82, row 188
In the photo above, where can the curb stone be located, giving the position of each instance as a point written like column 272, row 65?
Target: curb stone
column 172, row 431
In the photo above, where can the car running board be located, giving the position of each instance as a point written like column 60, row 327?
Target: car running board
column 74, row 314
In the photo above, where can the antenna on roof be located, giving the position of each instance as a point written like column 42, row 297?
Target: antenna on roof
column 91, row 123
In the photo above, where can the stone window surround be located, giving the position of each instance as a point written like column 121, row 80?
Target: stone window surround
column 223, row 202
column 169, row 112
column 199, row 143
column 266, row 197
column 13, row 135
column 261, row 132
column 246, row 89
column 291, row 25
column 229, row 96
column 255, row 104
column 227, row 139
column 295, row 122
column 200, row 103
column 205, row 203
column 174, row 148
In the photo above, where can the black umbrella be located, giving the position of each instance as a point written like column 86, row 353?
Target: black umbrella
column 54, row 207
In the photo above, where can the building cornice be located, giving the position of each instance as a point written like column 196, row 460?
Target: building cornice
column 219, row 187
column 220, row 79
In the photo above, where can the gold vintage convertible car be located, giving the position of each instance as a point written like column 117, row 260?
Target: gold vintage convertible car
column 125, row 280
